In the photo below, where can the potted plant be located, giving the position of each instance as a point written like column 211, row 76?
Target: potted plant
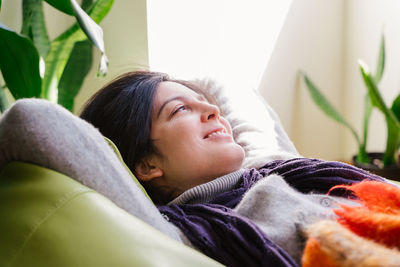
column 34, row 66
column 384, row 163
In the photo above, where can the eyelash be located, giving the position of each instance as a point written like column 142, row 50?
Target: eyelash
column 178, row 109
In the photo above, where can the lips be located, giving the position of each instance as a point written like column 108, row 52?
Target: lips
column 218, row 131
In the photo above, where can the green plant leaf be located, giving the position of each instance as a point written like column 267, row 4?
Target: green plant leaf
column 367, row 114
column 393, row 141
column 62, row 46
column 19, row 64
column 62, row 5
column 381, row 61
column 393, row 125
column 78, row 66
column 26, row 17
column 86, row 4
column 75, row 71
column 362, row 156
column 93, row 32
column 34, row 26
column 396, row 107
column 327, row 108
column 374, row 93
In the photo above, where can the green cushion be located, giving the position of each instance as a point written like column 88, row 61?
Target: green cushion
column 114, row 147
column 49, row 219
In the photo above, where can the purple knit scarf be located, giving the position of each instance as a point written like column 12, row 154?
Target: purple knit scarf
column 233, row 240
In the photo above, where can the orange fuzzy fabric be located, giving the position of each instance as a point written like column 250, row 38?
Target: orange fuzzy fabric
column 367, row 234
column 378, row 217
column 376, row 196
column 315, row 256
column 331, row 244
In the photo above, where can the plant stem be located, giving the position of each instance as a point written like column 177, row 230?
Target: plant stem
column 4, row 104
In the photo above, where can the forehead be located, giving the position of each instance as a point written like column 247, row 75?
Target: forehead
column 166, row 90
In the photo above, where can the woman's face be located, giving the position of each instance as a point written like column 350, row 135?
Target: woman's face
column 194, row 140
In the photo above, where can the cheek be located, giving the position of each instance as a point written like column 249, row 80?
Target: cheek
column 176, row 138
column 187, row 139
column 183, row 130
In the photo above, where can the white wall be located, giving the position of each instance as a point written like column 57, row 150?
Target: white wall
column 311, row 40
column 228, row 40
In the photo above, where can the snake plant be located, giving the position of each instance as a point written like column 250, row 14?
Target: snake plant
column 373, row 99
column 32, row 65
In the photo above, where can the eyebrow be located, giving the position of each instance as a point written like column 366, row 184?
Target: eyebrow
column 199, row 97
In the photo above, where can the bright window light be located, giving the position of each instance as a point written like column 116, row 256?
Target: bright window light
column 229, row 40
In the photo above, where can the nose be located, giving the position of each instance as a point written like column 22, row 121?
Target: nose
column 210, row 112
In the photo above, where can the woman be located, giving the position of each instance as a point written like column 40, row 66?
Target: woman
column 181, row 148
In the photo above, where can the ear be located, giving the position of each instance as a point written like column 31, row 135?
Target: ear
column 146, row 170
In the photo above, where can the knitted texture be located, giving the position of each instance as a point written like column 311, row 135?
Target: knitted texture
column 206, row 192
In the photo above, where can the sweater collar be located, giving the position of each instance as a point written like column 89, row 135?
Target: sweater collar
column 208, row 191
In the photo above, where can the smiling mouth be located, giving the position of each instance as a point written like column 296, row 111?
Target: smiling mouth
column 219, row 132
